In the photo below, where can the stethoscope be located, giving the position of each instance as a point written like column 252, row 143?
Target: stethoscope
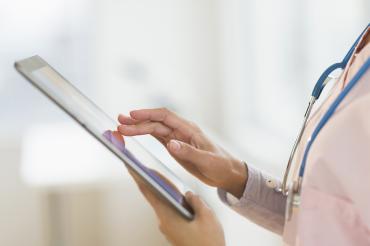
column 293, row 191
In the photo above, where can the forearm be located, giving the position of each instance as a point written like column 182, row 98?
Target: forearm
column 259, row 203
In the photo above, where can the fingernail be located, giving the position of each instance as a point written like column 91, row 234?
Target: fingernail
column 132, row 113
column 175, row 145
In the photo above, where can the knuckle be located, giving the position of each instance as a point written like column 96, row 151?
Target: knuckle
column 194, row 126
column 165, row 110
column 187, row 149
column 154, row 128
column 165, row 113
column 158, row 129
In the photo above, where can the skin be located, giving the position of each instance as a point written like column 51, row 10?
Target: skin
column 204, row 229
column 198, row 155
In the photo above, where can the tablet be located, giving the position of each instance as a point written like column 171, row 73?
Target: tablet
column 103, row 128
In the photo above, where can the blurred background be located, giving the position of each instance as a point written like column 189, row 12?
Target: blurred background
column 241, row 69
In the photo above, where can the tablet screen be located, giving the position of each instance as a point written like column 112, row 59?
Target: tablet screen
column 103, row 128
column 117, row 140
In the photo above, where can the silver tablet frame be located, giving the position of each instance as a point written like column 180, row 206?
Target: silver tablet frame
column 27, row 66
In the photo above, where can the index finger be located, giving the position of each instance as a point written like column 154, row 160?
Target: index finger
column 161, row 115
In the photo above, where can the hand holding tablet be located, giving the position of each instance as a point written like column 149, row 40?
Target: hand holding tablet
column 117, row 140
column 184, row 141
column 102, row 127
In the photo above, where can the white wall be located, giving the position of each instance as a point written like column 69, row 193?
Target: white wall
column 160, row 53
column 273, row 53
column 21, row 216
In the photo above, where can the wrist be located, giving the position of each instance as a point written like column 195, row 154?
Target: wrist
column 238, row 179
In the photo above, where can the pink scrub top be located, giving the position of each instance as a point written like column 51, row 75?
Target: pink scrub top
column 335, row 199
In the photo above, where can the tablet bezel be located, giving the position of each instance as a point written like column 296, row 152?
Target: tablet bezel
column 29, row 65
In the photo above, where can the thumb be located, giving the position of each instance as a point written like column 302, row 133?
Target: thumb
column 200, row 208
column 186, row 152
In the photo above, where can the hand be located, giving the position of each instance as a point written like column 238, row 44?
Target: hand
column 203, row 230
column 189, row 146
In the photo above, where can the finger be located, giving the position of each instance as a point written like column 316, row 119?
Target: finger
column 150, row 196
column 161, row 208
column 148, row 192
column 127, row 120
column 138, row 180
column 143, row 187
column 200, row 208
column 161, row 139
column 185, row 152
column 153, row 128
column 159, row 205
column 161, row 115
